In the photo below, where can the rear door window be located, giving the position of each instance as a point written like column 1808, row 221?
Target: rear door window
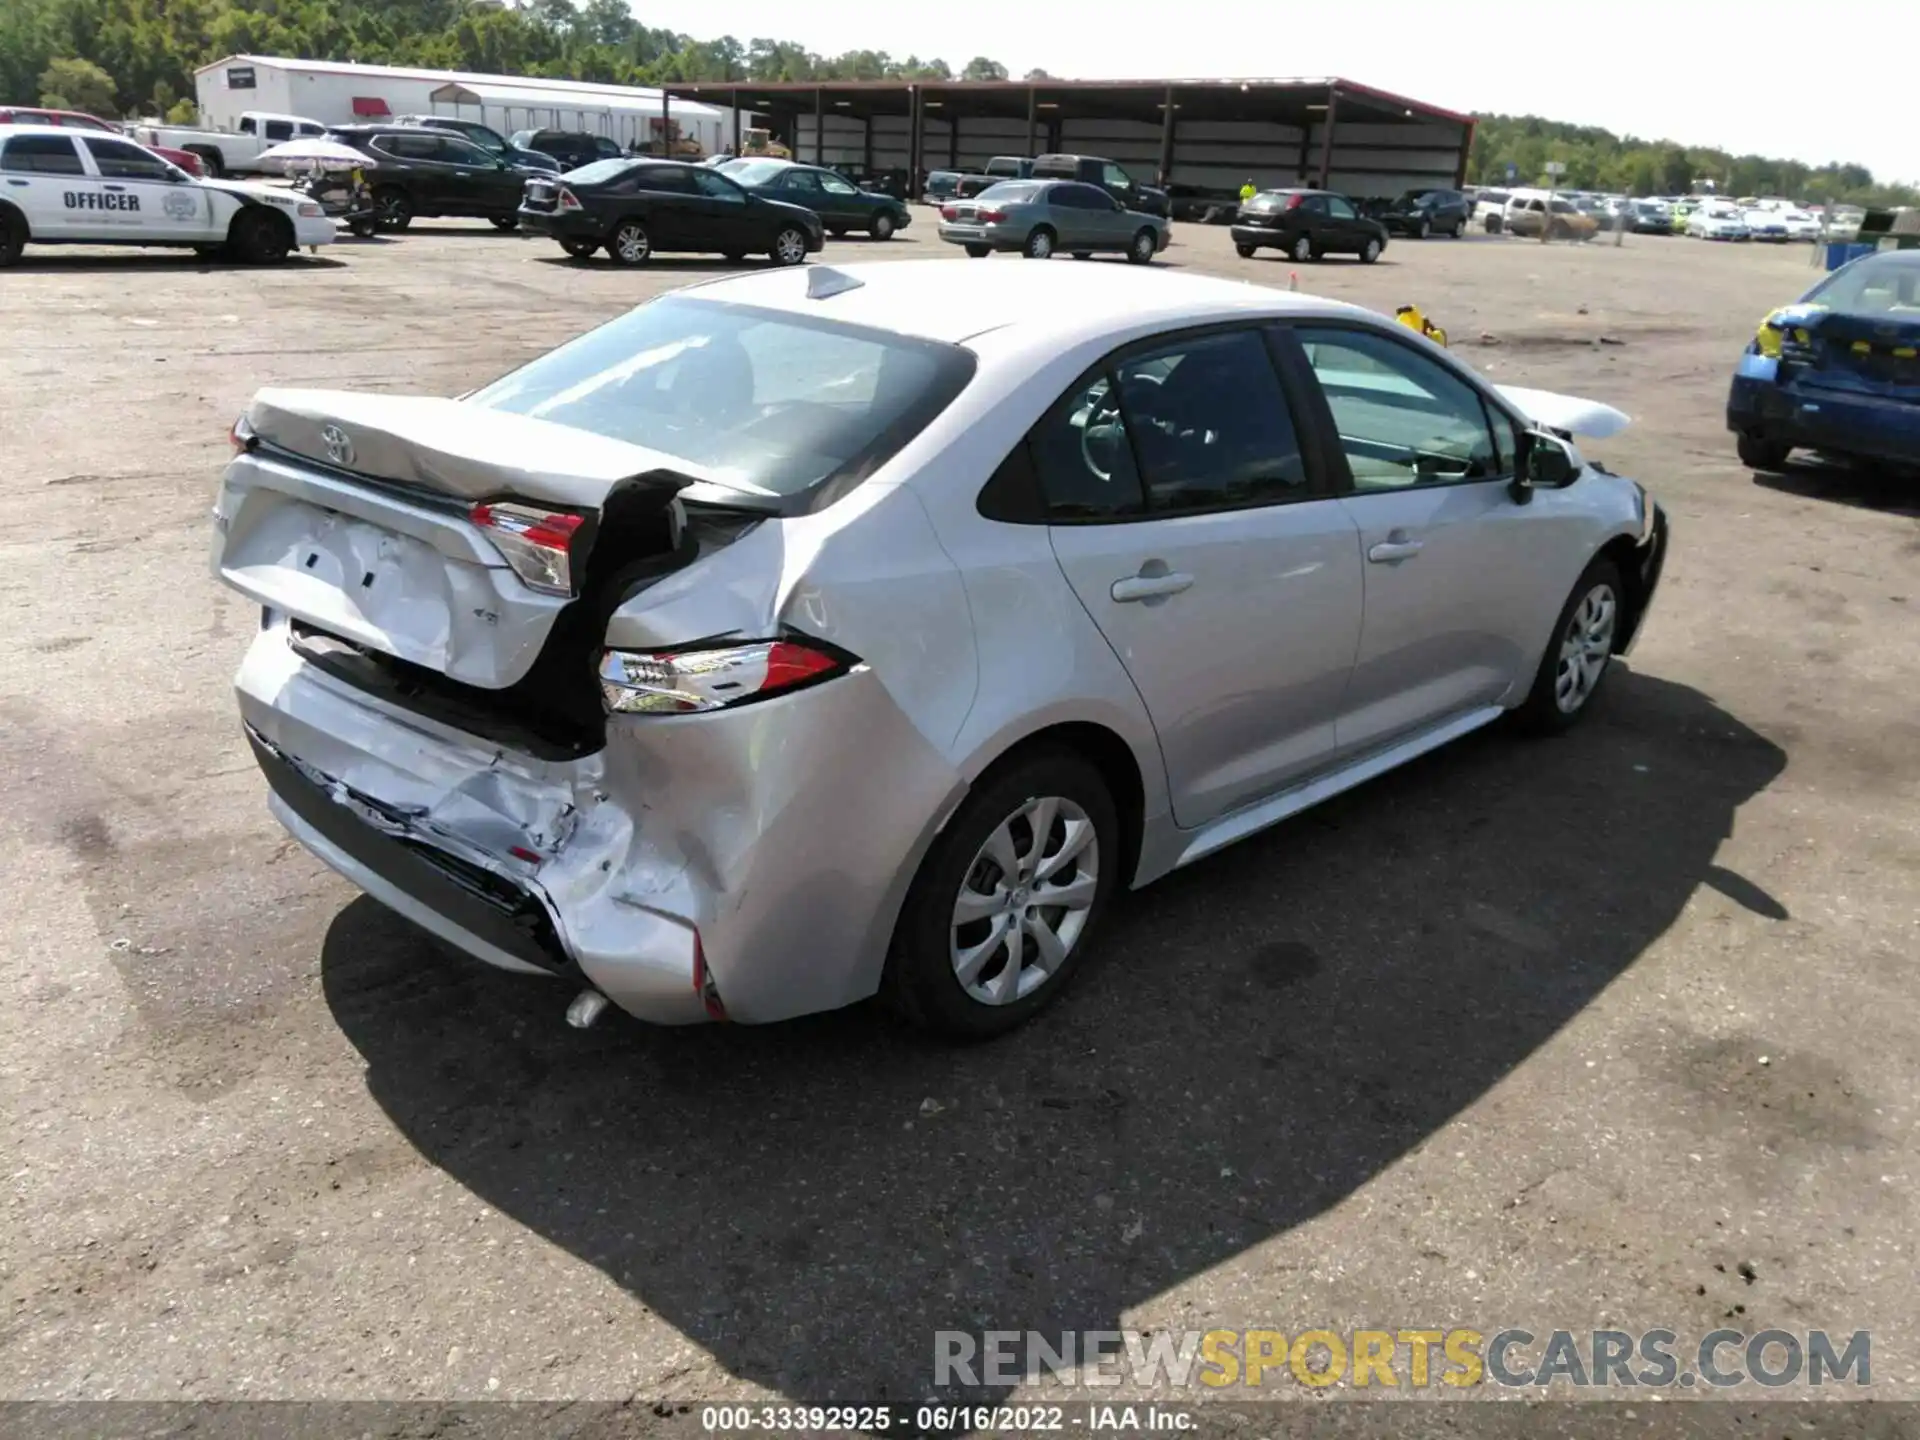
column 1196, row 424
column 278, row 130
column 42, row 155
column 664, row 180
column 1338, row 207
column 118, row 160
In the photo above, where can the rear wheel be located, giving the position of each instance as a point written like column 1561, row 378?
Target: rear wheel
column 1083, row 254
column 394, row 207
column 789, row 246
column 838, row 232
column 882, row 226
column 1143, row 248
column 1303, row 249
column 734, row 256
column 579, row 247
column 1039, row 244
column 979, row 252
column 1007, row 899
column 13, row 237
column 362, row 229
column 260, row 237
column 1579, row 654
column 1245, row 252
column 630, row 243
column 505, row 222
column 1759, row 454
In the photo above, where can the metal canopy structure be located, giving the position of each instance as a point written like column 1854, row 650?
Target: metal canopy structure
column 1325, row 131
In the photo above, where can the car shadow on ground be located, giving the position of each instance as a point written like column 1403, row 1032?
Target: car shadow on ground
column 147, row 260
column 1260, row 1035
column 1869, row 487
column 713, row 264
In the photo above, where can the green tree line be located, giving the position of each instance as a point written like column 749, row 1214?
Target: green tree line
column 1598, row 159
column 137, row 57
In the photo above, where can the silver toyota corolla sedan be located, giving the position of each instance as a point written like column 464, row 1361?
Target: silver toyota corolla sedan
column 814, row 634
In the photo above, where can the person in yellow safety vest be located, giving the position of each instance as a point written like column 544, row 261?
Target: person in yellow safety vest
column 1247, row 192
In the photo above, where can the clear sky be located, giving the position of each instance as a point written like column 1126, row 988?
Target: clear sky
column 1789, row 78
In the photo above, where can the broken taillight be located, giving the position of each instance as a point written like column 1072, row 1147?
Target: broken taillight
column 536, row 543
column 689, row 682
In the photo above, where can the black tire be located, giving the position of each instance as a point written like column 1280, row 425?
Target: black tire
column 1495, row 224
column 1245, row 252
column 362, row 229
column 260, row 237
column 1543, row 711
column 629, row 243
column 1143, row 247
column 789, row 246
column 1040, row 243
column 1083, row 254
column 505, row 222
column 838, row 232
column 394, row 207
column 1758, row 454
column 1458, row 227
column 921, row 983
column 579, row 247
column 882, row 227
column 1424, row 230
column 1303, row 248
column 978, row 252
column 13, row 236
column 733, row 256
column 1370, row 252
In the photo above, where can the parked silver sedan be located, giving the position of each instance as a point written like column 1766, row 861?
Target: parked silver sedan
column 1039, row 217
column 815, row 633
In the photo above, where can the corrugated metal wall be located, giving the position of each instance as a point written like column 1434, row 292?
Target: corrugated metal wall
column 1368, row 159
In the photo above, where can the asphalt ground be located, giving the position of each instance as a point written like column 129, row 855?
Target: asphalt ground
column 1558, row 1035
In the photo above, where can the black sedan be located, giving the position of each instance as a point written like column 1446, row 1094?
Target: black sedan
column 840, row 204
column 1421, row 213
column 635, row 208
column 1307, row 224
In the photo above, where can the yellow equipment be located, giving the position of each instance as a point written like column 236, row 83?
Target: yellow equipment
column 758, row 142
column 1410, row 316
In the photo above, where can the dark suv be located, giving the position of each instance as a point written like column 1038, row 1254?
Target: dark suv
column 420, row 172
column 571, row 148
column 1093, row 170
column 1421, row 213
column 487, row 138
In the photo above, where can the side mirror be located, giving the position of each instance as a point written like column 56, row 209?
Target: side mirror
column 1546, row 463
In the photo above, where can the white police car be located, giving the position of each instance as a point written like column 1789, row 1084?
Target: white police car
column 74, row 187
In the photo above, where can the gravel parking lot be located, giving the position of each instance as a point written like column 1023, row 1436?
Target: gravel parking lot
column 1553, row 1034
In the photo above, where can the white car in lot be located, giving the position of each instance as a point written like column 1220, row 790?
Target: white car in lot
column 1718, row 221
column 1767, row 225
column 74, row 187
column 1800, row 225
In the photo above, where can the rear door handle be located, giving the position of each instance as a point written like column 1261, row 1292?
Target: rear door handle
column 1389, row 550
column 1150, row 587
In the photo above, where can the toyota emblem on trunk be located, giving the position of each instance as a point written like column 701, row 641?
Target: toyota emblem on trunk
column 339, row 447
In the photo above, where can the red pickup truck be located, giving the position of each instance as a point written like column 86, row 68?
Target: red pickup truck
column 76, row 120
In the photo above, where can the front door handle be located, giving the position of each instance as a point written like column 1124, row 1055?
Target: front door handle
column 1150, row 587
column 115, row 188
column 1390, row 550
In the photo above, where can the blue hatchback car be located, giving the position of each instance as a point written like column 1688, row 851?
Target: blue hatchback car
column 1839, row 372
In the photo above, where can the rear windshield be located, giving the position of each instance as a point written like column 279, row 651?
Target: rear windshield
column 791, row 408
column 754, row 172
column 1010, row 192
column 598, row 172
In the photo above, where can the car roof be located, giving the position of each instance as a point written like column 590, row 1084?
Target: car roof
column 7, row 131
column 939, row 300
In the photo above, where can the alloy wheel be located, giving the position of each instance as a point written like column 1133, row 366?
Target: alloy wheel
column 1303, row 249
column 631, row 244
column 790, row 247
column 1585, row 648
column 1025, row 900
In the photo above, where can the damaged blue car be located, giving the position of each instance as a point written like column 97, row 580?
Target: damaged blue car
column 1839, row 372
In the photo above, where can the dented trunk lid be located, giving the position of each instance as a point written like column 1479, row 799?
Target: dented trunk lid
column 354, row 514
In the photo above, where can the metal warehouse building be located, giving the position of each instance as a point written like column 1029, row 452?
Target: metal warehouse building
column 1211, row 135
column 339, row 92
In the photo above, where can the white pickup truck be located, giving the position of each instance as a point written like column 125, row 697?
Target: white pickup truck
column 228, row 152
